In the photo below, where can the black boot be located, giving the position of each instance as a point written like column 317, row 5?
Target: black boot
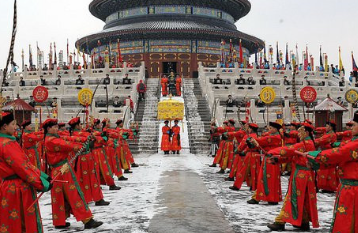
column 134, row 165
column 273, row 203
column 122, row 178
column 64, row 226
column 252, row 202
column 234, row 188
column 212, row 165
column 101, row 203
column 303, row 227
column 178, row 152
column 114, row 187
column 127, row 171
column 93, row 224
column 276, row 226
column 222, row 171
column 229, row 179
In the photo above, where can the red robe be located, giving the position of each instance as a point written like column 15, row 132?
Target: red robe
column 345, row 219
column 345, row 136
column 269, row 180
column 218, row 156
column 327, row 179
column 122, row 150
column 165, row 145
column 249, row 170
column 227, row 152
column 68, row 197
column 301, row 195
column 164, row 84
column 18, row 190
column 86, row 172
column 178, row 86
column 176, row 145
column 29, row 144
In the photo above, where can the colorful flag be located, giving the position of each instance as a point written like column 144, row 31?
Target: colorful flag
column 320, row 56
column 312, row 62
column 68, row 52
column 54, row 47
column 355, row 68
column 50, row 57
column 30, row 56
column 287, row 62
column 326, row 67
column 241, row 53
column 265, row 57
column 340, row 59
column 277, row 54
column 38, row 55
column 120, row 59
column 297, row 57
column 306, row 59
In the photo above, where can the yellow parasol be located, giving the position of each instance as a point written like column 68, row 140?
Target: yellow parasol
column 170, row 110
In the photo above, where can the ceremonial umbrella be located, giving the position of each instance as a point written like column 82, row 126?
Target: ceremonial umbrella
column 22, row 110
column 170, row 110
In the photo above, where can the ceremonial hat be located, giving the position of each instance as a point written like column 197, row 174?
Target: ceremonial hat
column 49, row 123
column 176, row 120
column 275, row 125
column 61, row 124
column 253, row 126
column 308, row 127
column 74, row 121
column 96, row 121
column 6, row 118
column 119, row 121
column 309, row 122
column 331, row 123
column 243, row 122
column 166, row 122
column 225, row 122
column 25, row 123
column 231, row 121
column 349, row 123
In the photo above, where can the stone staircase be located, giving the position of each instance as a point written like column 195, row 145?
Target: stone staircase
column 198, row 117
column 146, row 117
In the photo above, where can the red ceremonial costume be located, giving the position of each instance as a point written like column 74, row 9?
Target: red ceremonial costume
column 300, row 205
column 327, row 178
column 164, row 84
column 68, row 197
column 165, row 145
column 178, row 85
column 345, row 218
column 269, row 180
column 176, row 145
column 20, row 180
column 30, row 142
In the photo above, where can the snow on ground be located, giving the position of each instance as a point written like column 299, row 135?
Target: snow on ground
column 133, row 207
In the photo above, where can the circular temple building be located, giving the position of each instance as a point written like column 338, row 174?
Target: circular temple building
column 169, row 35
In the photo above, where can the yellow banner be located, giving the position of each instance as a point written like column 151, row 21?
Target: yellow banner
column 170, row 110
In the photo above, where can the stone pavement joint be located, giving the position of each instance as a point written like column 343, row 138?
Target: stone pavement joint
column 188, row 206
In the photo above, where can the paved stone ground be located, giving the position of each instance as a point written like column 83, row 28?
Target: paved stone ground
column 189, row 207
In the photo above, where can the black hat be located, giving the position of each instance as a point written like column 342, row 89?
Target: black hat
column 49, row 123
column 26, row 123
column 118, row 122
column 231, row 121
column 166, row 122
column 331, row 123
column 6, row 118
column 275, row 125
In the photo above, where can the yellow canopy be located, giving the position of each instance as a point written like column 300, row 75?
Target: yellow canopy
column 170, row 110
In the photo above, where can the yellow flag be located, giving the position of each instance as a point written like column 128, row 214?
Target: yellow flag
column 340, row 60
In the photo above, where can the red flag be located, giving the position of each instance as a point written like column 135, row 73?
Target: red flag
column 306, row 59
column 241, row 53
column 355, row 68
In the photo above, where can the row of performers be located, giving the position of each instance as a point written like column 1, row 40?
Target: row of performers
column 46, row 160
column 330, row 166
column 171, row 85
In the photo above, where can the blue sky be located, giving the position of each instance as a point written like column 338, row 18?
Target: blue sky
column 330, row 23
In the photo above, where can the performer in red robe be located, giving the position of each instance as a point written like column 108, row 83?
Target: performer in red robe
column 178, row 85
column 248, row 168
column 346, row 135
column 68, row 197
column 176, row 145
column 300, row 205
column 219, row 152
column 345, row 217
column 269, row 180
column 29, row 142
column 85, row 167
column 20, row 181
column 327, row 179
column 166, row 144
column 164, row 84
